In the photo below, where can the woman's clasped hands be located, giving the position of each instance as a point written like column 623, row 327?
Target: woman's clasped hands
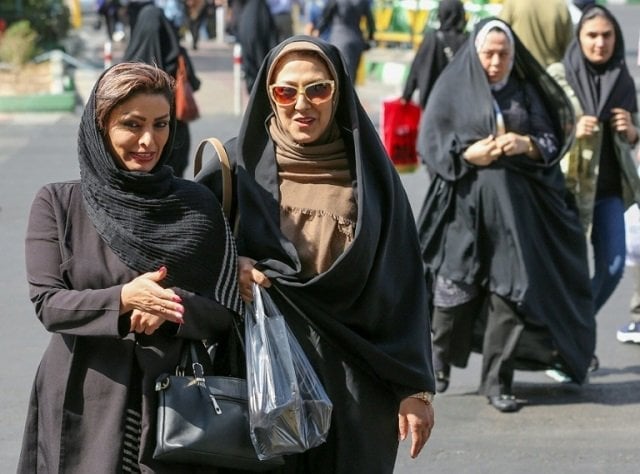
column 483, row 152
column 150, row 304
column 486, row 151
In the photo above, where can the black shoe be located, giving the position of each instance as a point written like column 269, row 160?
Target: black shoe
column 442, row 381
column 504, row 403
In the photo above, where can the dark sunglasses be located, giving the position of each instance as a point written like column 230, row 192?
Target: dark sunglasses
column 316, row 92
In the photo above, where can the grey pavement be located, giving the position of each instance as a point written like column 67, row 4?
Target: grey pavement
column 562, row 428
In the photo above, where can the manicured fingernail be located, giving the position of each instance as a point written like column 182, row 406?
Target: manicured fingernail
column 177, row 299
column 180, row 309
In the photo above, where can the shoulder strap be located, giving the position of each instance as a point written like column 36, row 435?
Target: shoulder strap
column 448, row 52
column 225, row 166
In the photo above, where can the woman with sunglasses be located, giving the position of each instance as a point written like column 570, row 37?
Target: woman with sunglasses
column 325, row 225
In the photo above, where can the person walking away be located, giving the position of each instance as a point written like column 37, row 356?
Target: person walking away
column 343, row 17
column 196, row 13
column 281, row 11
column 436, row 50
column 257, row 34
column 133, row 10
column 109, row 9
column 545, row 31
column 313, row 13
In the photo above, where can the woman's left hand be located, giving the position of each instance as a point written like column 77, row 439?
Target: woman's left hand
column 415, row 417
column 513, row 144
column 247, row 275
column 622, row 123
column 142, row 322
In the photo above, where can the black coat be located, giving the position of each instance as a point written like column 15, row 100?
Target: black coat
column 364, row 322
column 511, row 227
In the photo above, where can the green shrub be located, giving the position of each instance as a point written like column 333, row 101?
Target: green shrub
column 18, row 43
column 50, row 18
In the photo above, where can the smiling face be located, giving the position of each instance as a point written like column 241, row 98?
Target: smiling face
column 597, row 39
column 305, row 122
column 137, row 131
column 495, row 56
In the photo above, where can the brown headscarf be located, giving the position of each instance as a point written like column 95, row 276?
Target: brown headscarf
column 317, row 207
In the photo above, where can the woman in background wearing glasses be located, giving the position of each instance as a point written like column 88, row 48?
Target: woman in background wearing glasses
column 325, row 225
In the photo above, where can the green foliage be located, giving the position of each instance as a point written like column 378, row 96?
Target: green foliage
column 18, row 43
column 50, row 18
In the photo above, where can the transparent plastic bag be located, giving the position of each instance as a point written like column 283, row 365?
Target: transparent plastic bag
column 289, row 410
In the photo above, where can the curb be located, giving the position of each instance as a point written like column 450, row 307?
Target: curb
column 63, row 102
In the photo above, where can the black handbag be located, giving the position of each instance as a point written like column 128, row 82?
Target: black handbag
column 205, row 419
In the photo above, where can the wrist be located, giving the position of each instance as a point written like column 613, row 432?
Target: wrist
column 426, row 397
column 529, row 144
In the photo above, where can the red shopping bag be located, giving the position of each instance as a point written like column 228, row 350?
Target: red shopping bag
column 399, row 123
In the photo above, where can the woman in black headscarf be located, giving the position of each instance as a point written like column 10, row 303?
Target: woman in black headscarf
column 257, row 34
column 600, row 169
column 155, row 41
column 324, row 222
column 436, row 50
column 123, row 266
column 497, row 229
column 343, row 19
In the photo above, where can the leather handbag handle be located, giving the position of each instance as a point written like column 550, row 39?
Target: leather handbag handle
column 227, row 183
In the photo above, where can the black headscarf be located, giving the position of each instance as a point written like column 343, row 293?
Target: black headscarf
column 431, row 58
column 257, row 33
column 600, row 87
column 150, row 219
column 510, row 227
column 372, row 301
column 155, row 41
column 461, row 111
column 451, row 15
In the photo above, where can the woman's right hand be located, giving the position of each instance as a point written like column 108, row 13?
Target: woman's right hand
column 483, row 152
column 587, row 125
column 145, row 294
column 247, row 275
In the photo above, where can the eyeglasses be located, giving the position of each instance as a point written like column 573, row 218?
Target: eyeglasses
column 316, row 93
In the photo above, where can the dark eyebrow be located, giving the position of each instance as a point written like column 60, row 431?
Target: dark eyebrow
column 140, row 117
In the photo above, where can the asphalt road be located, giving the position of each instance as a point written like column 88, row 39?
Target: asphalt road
column 561, row 429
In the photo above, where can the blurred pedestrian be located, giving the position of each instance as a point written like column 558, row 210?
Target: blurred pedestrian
column 257, row 34
column 600, row 169
column 545, row 31
column 109, row 11
column 155, row 41
column 196, row 12
column 281, row 11
column 503, row 246
column 174, row 11
column 344, row 18
column 133, row 10
column 313, row 14
column 436, row 50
